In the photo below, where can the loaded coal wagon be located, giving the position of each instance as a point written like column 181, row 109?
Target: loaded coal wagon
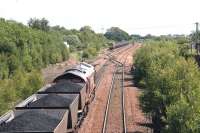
column 53, row 101
column 119, row 44
column 56, row 106
column 37, row 120
column 81, row 73
column 77, row 80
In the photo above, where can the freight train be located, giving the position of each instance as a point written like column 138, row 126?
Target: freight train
column 57, row 107
column 119, row 44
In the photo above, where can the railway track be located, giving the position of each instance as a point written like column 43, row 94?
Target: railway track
column 96, row 119
column 100, row 72
column 115, row 103
column 73, row 105
column 136, row 120
column 115, row 116
column 111, row 111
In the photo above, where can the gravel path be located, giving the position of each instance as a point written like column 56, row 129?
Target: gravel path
column 135, row 118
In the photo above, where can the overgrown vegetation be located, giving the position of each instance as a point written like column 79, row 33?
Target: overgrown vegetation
column 24, row 50
column 85, row 41
column 171, row 87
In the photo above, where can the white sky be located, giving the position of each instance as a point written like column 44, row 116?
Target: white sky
column 134, row 16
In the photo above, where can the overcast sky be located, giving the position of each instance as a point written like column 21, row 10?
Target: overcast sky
column 134, row 16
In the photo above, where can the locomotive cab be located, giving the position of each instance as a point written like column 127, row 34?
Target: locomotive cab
column 81, row 73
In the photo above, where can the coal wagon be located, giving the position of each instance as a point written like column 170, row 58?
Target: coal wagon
column 119, row 44
column 53, row 101
column 37, row 120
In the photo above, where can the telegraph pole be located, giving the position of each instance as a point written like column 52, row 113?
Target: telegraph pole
column 196, row 37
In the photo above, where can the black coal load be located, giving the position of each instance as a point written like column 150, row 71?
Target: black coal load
column 63, row 87
column 52, row 100
column 68, row 87
column 34, row 120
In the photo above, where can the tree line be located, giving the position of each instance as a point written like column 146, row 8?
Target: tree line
column 171, row 88
column 23, row 52
column 26, row 49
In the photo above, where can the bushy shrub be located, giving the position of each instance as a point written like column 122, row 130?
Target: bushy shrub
column 172, row 88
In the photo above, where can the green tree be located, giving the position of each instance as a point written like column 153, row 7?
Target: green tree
column 41, row 24
column 73, row 41
column 24, row 50
column 171, row 87
column 116, row 34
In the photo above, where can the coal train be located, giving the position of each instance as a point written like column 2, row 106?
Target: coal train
column 57, row 107
column 119, row 44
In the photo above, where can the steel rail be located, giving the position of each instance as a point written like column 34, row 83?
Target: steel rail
column 118, row 65
column 108, row 102
column 123, row 99
column 123, row 96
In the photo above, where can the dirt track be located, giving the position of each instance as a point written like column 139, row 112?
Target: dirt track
column 135, row 118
